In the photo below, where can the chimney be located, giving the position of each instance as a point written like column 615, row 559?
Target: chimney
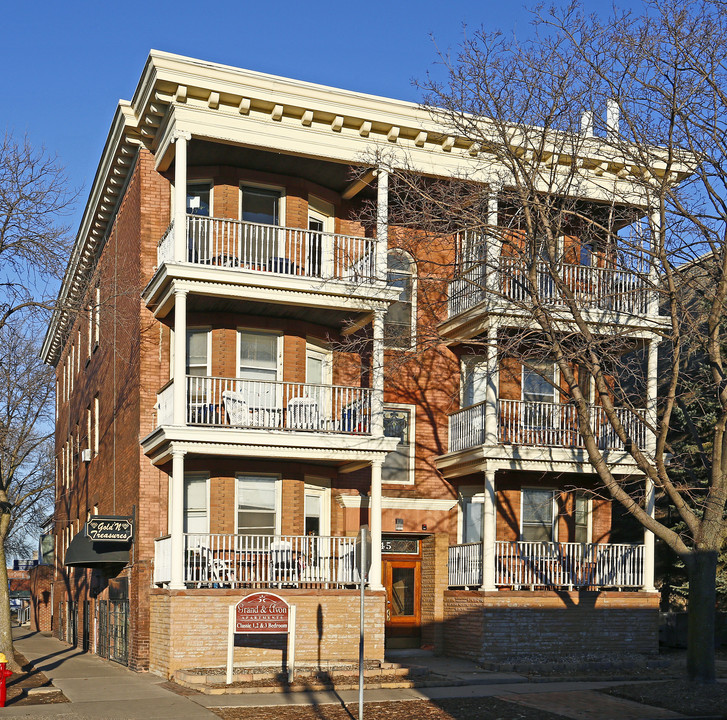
column 587, row 124
column 612, row 116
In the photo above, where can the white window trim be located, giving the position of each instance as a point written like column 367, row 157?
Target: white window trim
column 476, row 495
column 320, row 486
column 319, row 346
column 278, row 497
column 277, row 333
column 412, row 442
column 556, row 382
column 554, row 500
column 195, row 181
column 414, row 289
column 200, row 328
column 206, row 477
column 589, row 516
column 263, row 186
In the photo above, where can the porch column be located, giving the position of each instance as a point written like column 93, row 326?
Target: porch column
column 648, row 585
column 493, row 250
column 377, row 375
column 489, row 520
column 375, row 519
column 653, row 296
column 177, row 520
column 652, row 375
column 180, row 196
column 382, row 222
column 491, row 391
column 180, row 360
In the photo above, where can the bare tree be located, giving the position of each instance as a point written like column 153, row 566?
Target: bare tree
column 26, row 453
column 599, row 222
column 34, row 250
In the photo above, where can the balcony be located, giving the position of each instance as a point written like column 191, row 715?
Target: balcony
column 540, row 424
column 294, row 252
column 259, row 561
column 531, row 565
column 219, row 402
column 597, row 288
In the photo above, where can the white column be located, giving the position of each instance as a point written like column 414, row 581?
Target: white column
column 491, row 391
column 489, row 527
column 653, row 298
column 180, row 196
column 177, row 520
column 652, row 376
column 493, row 244
column 375, row 520
column 648, row 585
column 180, row 359
column 377, row 375
column 382, row 222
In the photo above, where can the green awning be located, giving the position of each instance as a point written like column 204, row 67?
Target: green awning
column 83, row 552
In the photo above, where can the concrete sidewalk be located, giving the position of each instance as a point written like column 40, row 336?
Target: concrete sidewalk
column 99, row 689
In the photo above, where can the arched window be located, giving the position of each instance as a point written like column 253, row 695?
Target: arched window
column 400, row 317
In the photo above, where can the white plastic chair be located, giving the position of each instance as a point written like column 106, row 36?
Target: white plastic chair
column 303, row 414
column 236, row 407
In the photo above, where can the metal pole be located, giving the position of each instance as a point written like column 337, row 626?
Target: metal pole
column 362, row 571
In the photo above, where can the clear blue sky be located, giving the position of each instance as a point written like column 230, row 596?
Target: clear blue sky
column 68, row 63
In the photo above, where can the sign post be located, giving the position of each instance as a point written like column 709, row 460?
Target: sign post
column 363, row 565
column 261, row 613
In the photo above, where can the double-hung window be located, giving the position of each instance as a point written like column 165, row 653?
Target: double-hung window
column 538, row 391
column 398, row 465
column 260, row 211
column 256, row 505
column 197, row 370
column 399, row 319
column 199, row 204
column 195, row 504
column 537, row 508
column 258, row 375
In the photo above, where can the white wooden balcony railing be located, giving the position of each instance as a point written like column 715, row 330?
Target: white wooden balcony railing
column 261, row 561
column 552, row 565
column 603, row 288
column 270, row 248
column 232, row 402
column 541, row 424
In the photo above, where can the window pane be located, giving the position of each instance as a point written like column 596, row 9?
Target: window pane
column 195, row 504
column 537, row 385
column 198, row 199
column 397, row 464
column 256, row 505
column 472, row 521
column 260, row 206
column 258, row 350
column 537, row 506
column 197, row 352
column 537, row 533
column 312, row 514
column 314, row 369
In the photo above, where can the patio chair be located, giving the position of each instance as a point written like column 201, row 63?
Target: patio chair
column 236, row 407
column 303, row 414
column 283, row 565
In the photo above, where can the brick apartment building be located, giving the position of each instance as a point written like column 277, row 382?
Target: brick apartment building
column 208, row 388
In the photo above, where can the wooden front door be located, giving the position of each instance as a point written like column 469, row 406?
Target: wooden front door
column 402, row 580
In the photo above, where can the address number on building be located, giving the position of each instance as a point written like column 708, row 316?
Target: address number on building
column 400, row 546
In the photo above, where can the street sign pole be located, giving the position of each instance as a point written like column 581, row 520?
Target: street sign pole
column 362, row 581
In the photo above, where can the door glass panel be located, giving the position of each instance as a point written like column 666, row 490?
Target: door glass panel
column 402, row 591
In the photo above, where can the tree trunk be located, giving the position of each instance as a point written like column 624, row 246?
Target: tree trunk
column 6, row 631
column 702, row 568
